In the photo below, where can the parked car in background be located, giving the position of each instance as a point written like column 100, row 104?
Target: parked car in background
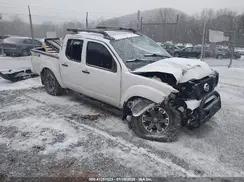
column 207, row 51
column 222, row 53
column 240, row 51
column 3, row 37
column 19, row 46
column 170, row 48
column 180, row 45
column 1, row 40
column 188, row 52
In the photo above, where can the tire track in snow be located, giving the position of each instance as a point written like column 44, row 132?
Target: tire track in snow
column 142, row 151
column 62, row 112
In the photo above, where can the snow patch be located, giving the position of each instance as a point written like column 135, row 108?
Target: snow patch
column 25, row 84
column 117, row 35
column 42, row 133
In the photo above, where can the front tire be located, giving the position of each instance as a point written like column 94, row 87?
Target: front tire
column 50, row 83
column 160, row 123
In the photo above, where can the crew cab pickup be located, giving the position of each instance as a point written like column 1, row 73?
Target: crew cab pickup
column 156, row 92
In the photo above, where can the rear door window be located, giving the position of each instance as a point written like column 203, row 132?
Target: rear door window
column 74, row 50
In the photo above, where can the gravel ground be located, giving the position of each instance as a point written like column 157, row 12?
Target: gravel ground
column 72, row 135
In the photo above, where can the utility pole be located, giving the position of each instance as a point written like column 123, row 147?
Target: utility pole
column 176, row 28
column 203, row 39
column 231, row 47
column 138, row 19
column 31, row 26
column 87, row 23
column 232, row 42
column 141, row 24
column 1, row 33
column 162, row 28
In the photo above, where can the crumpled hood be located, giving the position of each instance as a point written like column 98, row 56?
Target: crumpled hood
column 183, row 69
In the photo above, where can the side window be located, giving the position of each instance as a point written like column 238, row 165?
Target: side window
column 189, row 49
column 27, row 41
column 74, row 50
column 97, row 55
column 37, row 43
column 197, row 49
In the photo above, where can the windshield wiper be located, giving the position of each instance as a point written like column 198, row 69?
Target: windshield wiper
column 155, row 55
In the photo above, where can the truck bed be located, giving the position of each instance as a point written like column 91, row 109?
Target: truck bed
column 51, row 47
column 46, row 56
column 45, row 51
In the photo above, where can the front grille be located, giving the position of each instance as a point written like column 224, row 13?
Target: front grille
column 197, row 89
column 204, row 87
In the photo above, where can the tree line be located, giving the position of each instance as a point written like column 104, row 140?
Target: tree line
column 173, row 25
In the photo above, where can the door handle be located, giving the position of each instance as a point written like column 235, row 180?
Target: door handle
column 85, row 71
column 65, row 65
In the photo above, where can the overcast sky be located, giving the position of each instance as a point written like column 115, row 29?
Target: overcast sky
column 75, row 9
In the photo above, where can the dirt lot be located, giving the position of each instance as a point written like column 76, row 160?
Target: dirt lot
column 72, row 135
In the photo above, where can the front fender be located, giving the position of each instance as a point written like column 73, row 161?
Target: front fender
column 146, row 92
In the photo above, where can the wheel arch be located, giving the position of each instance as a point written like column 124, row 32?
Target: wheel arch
column 55, row 74
column 140, row 105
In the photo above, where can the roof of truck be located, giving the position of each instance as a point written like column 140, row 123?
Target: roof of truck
column 106, row 34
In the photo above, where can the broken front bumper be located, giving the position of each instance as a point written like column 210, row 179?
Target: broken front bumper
column 209, row 106
column 17, row 75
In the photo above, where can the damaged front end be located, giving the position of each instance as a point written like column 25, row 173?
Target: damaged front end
column 200, row 98
column 209, row 105
column 196, row 101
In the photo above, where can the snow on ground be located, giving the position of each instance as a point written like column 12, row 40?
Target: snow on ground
column 72, row 135
column 30, row 83
column 7, row 63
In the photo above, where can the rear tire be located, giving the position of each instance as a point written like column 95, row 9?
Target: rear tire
column 25, row 53
column 50, row 83
column 167, row 134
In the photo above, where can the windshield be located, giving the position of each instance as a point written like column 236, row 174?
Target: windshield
column 139, row 51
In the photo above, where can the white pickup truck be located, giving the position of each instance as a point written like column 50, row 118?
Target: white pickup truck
column 157, row 93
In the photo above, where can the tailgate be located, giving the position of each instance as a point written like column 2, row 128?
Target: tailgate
column 41, row 58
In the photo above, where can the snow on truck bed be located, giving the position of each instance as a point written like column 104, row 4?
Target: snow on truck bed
column 43, row 135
